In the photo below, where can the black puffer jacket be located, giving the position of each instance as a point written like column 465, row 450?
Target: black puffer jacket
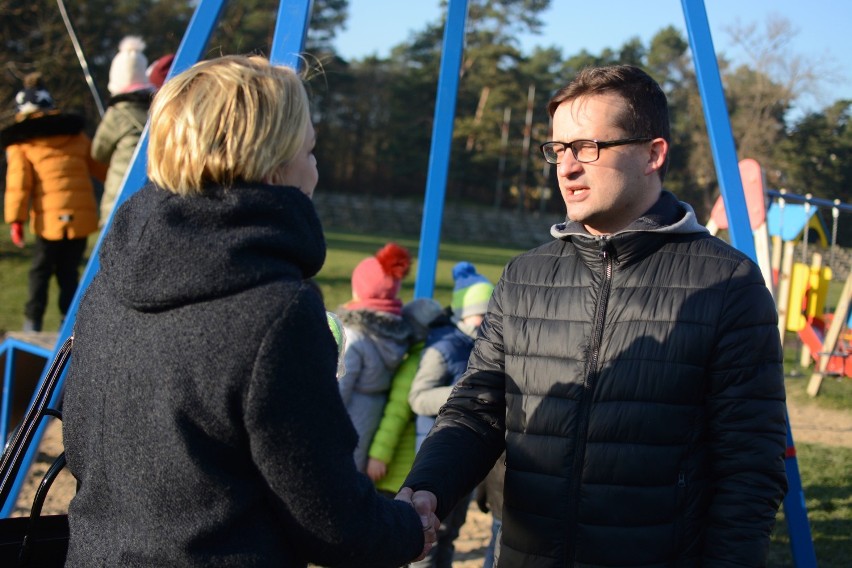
column 202, row 416
column 637, row 379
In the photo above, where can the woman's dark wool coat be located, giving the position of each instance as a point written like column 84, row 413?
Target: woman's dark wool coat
column 202, row 415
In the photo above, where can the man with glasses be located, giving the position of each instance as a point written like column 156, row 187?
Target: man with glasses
column 630, row 368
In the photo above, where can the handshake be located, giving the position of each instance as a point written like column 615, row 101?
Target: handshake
column 425, row 503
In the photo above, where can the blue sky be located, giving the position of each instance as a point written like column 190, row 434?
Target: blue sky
column 823, row 29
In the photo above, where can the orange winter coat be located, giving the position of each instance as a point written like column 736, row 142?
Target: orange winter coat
column 48, row 176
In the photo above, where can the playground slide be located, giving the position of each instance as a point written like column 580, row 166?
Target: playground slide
column 812, row 335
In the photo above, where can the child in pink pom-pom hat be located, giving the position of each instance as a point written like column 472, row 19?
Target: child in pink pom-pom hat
column 377, row 338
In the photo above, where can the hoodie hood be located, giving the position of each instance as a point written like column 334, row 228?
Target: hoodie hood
column 666, row 220
column 667, row 215
column 165, row 250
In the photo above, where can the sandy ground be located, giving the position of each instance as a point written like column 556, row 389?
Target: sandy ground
column 809, row 424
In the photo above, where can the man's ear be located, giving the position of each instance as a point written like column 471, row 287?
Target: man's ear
column 657, row 156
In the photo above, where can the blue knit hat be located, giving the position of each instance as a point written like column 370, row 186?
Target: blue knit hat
column 471, row 293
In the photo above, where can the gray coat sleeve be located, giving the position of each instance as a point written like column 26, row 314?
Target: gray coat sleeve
column 747, row 425
column 106, row 137
column 353, row 363
column 428, row 393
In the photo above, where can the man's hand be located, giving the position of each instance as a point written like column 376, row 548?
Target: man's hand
column 376, row 469
column 17, row 232
column 425, row 503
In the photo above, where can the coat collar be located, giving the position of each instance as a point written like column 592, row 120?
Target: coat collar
column 668, row 217
column 142, row 97
column 42, row 125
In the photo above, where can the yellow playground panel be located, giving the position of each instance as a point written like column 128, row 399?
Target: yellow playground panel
column 808, row 290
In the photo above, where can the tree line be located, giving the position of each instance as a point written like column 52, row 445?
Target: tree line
column 374, row 115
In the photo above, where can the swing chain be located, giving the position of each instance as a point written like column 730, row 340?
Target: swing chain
column 806, row 236
column 835, row 213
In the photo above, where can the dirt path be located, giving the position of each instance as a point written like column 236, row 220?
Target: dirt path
column 809, row 422
column 815, row 425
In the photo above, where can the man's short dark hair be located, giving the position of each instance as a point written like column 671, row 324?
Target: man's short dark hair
column 647, row 108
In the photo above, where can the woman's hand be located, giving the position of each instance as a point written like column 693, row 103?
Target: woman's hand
column 425, row 503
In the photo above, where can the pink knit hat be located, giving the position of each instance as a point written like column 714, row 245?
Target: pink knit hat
column 158, row 70
column 376, row 280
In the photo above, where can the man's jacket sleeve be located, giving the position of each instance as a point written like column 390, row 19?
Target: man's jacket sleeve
column 468, row 434
column 747, row 425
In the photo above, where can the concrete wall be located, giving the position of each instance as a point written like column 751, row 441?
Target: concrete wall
column 482, row 225
column 363, row 214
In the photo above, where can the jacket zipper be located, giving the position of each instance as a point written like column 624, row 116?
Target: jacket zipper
column 588, row 389
column 679, row 523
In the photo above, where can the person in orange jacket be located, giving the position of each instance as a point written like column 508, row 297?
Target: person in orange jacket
column 48, row 180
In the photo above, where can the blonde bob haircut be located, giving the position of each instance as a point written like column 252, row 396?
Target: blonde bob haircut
column 226, row 120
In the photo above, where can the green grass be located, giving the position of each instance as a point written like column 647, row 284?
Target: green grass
column 835, row 392
column 347, row 250
column 14, row 275
column 824, row 470
column 832, row 297
column 828, row 498
column 14, row 264
column 344, row 252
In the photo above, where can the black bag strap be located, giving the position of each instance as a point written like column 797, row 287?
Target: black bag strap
column 12, row 458
column 25, row 554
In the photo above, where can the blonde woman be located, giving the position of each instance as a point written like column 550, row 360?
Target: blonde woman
column 202, row 415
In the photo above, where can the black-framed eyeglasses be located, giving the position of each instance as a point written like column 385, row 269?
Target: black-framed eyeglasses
column 584, row 151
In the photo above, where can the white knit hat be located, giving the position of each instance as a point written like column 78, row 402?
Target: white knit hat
column 127, row 72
